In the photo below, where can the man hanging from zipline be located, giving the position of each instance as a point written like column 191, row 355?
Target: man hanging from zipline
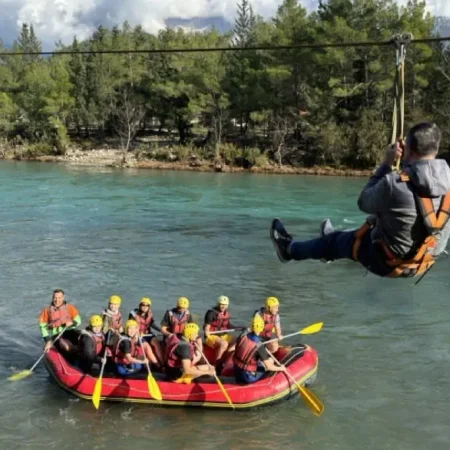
column 408, row 227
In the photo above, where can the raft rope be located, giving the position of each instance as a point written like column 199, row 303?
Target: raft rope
column 400, row 41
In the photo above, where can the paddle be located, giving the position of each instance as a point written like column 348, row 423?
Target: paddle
column 228, row 331
column 153, row 387
column 311, row 329
column 310, row 398
column 222, row 387
column 25, row 373
column 98, row 384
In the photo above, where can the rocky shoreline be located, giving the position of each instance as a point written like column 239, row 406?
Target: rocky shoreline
column 115, row 158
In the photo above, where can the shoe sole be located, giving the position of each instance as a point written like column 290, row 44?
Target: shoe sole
column 274, row 242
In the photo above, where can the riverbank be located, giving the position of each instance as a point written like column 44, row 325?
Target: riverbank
column 115, row 158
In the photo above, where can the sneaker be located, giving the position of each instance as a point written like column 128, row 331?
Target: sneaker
column 326, row 227
column 281, row 240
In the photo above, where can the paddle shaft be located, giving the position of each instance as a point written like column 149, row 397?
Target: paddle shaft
column 222, row 387
column 43, row 354
column 310, row 399
column 284, row 337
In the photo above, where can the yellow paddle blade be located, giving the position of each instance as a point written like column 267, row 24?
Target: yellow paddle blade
column 315, row 328
column 153, row 388
column 222, row 387
column 311, row 400
column 97, row 393
column 20, row 375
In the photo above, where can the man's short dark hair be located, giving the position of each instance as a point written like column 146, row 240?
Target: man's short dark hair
column 424, row 138
column 58, row 291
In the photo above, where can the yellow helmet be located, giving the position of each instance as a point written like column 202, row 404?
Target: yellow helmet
column 130, row 323
column 115, row 300
column 96, row 321
column 223, row 300
column 257, row 325
column 190, row 331
column 183, row 302
column 271, row 301
column 146, row 301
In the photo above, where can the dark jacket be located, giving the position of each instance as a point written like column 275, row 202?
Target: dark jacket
column 392, row 201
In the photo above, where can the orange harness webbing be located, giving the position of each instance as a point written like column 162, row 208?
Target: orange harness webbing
column 423, row 259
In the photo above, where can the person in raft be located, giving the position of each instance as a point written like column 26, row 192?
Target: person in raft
column 92, row 345
column 112, row 317
column 409, row 225
column 143, row 315
column 272, row 325
column 250, row 358
column 217, row 319
column 176, row 319
column 57, row 317
column 128, row 354
column 181, row 357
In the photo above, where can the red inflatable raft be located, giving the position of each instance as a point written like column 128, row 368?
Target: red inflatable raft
column 302, row 363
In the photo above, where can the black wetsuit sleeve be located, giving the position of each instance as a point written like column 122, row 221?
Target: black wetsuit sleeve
column 262, row 353
column 88, row 349
column 165, row 322
column 183, row 351
column 210, row 317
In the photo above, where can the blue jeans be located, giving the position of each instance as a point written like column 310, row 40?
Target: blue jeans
column 247, row 377
column 129, row 369
column 339, row 245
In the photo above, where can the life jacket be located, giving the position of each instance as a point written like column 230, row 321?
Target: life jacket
column 119, row 355
column 423, row 259
column 269, row 322
column 143, row 322
column 99, row 340
column 172, row 360
column 221, row 320
column 59, row 316
column 244, row 355
column 115, row 319
column 177, row 325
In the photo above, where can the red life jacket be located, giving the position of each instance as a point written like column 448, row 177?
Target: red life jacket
column 173, row 360
column 269, row 322
column 423, row 258
column 177, row 325
column 99, row 340
column 115, row 320
column 119, row 356
column 221, row 320
column 143, row 322
column 59, row 316
column 245, row 354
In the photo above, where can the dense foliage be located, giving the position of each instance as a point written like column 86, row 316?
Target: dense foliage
column 300, row 107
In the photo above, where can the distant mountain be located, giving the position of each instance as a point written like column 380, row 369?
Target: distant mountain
column 200, row 23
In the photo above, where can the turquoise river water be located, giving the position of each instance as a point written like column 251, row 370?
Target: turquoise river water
column 384, row 350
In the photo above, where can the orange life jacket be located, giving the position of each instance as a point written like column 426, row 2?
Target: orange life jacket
column 59, row 316
column 143, row 322
column 99, row 340
column 423, row 259
column 221, row 320
column 172, row 359
column 269, row 322
column 245, row 354
column 177, row 325
column 119, row 356
column 116, row 319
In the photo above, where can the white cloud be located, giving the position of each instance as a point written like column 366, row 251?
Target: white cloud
column 62, row 19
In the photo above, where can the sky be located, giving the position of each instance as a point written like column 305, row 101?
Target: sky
column 55, row 20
